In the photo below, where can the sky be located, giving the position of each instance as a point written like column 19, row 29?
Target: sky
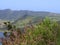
column 33, row 5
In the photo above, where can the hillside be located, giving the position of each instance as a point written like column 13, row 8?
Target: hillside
column 23, row 17
column 8, row 14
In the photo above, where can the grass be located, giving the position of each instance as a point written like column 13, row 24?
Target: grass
column 22, row 23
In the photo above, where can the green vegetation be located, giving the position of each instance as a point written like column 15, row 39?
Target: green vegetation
column 21, row 23
column 36, row 31
column 56, row 18
column 27, row 20
column 45, row 33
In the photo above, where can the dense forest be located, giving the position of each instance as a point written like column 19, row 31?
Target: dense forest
column 45, row 33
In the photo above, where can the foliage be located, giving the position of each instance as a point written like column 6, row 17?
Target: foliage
column 44, row 33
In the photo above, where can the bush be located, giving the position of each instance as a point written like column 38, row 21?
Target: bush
column 41, row 34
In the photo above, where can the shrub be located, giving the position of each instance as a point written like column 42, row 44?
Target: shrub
column 41, row 34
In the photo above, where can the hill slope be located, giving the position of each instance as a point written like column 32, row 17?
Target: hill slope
column 8, row 14
column 22, row 17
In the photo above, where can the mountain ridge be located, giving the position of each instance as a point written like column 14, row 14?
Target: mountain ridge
column 23, row 17
column 9, row 14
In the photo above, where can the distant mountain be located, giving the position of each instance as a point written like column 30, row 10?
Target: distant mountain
column 8, row 14
column 22, row 17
